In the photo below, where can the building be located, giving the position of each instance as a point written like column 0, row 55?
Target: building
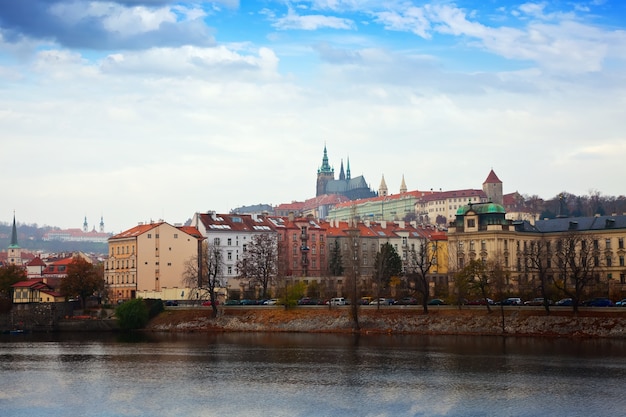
column 482, row 232
column 35, row 291
column 353, row 188
column 231, row 233
column 149, row 260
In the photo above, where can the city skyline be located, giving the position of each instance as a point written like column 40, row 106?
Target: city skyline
column 154, row 109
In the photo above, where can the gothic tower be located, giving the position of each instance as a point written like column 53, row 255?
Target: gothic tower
column 382, row 189
column 85, row 225
column 101, row 224
column 324, row 174
column 14, row 252
column 493, row 188
column 403, row 188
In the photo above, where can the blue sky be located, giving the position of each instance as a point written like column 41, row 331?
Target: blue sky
column 155, row 109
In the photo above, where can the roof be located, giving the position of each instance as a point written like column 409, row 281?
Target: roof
column 34, row 283
column 214, row 222
column 36, row 262
column 492, row 178
column 140, row 229
column 481, row 208
column 599, row 223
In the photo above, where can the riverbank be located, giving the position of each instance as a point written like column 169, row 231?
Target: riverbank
column 512, row 321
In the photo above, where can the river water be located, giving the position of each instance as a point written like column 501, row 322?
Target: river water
column 256, row 374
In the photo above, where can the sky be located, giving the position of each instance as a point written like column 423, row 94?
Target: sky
column 139, row 110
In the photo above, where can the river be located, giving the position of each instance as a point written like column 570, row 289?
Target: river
column 269, row 374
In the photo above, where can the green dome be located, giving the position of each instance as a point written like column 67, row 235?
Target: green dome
column 481, row 208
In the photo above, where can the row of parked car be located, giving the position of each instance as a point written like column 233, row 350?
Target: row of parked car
column 516, row 301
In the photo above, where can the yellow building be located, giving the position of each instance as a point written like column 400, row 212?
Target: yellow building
column 150, row 258
column 481, row 232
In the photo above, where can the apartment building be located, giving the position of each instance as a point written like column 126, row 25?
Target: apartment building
column 149, row 259
column 231, row 233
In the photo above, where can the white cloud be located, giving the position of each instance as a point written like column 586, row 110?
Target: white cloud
column 311, row 22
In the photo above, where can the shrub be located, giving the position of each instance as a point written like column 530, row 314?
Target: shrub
column 132, row 314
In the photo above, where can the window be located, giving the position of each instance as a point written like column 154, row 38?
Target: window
column 608, row 261
column 595, row 244
column 621, row 260
column 312, row 237
column 230, row 241
column 483, row 245
column 229, row 256
column 295, row 237
column 620, row 243
column 506, row 245
column 245, row 248
column 607, row 243
column 175, row 235
column 471, row 223
column 149, row 235
column 471, row 245
column 216, row 241
column 321, row 238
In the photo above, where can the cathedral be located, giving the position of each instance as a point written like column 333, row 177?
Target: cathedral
column 352, row 188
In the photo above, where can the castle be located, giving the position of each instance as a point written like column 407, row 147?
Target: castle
column 352, row 188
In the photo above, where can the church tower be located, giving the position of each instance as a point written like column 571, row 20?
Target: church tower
column 493, row 188
column 101, row 224
column 403, row 188
column 14, row 252
column 324, row 174
column 85, row 225
column 382, row 189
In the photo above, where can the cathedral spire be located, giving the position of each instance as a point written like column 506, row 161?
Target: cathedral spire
column 325, row 168
column 14, row 234
column 85, row 225
column 101, row 224
column 342, row 176
column 348, row 170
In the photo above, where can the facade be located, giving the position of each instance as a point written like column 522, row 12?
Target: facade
column 301, row 246
column 35, row 291
column 352, row 188
column 394, row 207
column 441, row 207
column 481, row 232
column 150, row 258
column 232, row 233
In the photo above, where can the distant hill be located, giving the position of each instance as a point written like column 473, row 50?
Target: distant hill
column 30, row 237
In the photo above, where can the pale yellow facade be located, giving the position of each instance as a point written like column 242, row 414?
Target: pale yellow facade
column 148, row 258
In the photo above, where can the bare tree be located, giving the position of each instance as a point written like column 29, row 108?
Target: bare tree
column 204, row 273
column 353, row 273
column 538, row 259
column 260, row 261
column 418, row 265
column 577, row 261
column 475, row 275
column 386, row 265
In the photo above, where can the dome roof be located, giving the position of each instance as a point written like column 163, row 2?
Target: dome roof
column 481, row 208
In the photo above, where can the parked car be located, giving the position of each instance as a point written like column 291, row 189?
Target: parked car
column 407, row 301
column 564, row 302
column 207, row 303
column 271, row 302
column 307, row 301
column 171, row 303
column 537, row 302
column 598, row 302
column 232, row 303
column 480, row 302
column 436, row 302
column 512, row 301
column 621, row 303
column 246, row 302
column 381, row 301
column 366, row 301
column 338, row 301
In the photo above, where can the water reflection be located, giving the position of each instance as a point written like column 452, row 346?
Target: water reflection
column 279, row 374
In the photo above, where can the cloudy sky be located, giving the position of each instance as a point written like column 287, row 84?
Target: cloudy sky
column 155, row 109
